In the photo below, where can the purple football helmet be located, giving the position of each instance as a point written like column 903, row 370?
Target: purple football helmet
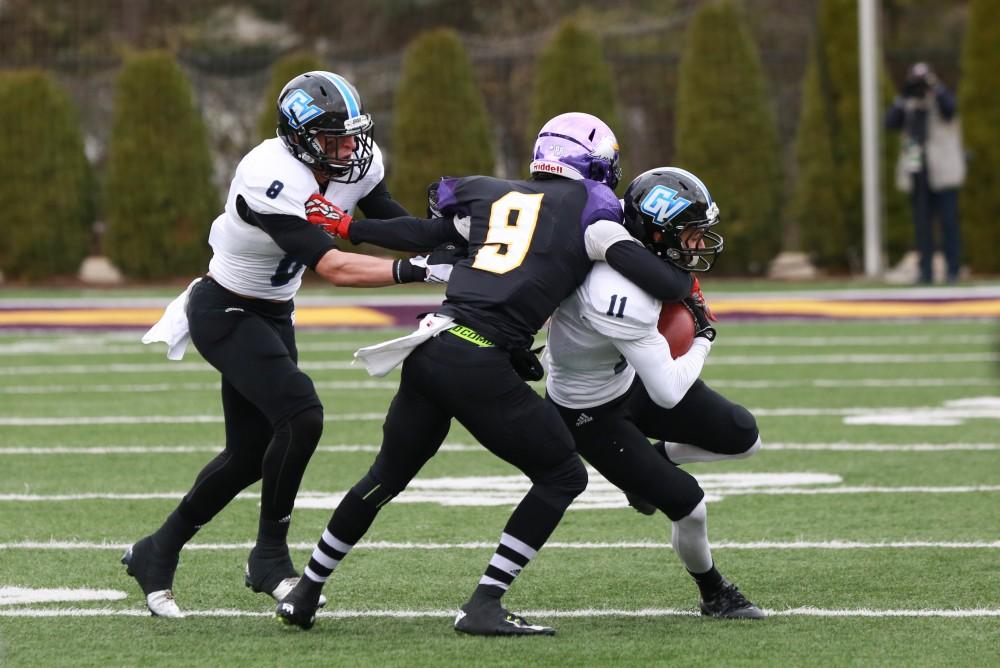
column 577, row 146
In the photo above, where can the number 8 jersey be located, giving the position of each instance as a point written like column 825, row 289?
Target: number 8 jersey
column 271, row 187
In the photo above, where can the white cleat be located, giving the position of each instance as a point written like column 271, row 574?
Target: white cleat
column 162, row 604
column 286, row 586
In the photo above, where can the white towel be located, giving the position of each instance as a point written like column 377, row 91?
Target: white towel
column 172, row 327
column 382, row 358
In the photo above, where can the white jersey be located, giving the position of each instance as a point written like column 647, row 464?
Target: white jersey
column 603, row 334
column 245, row 259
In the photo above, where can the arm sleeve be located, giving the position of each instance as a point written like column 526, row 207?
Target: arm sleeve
column 666, row 380
column 894, row 117
column 406, row 233
column 660, row 279
column 301, row 241
column 379, row 203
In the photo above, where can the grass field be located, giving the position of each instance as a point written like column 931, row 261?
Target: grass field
column 868, row 525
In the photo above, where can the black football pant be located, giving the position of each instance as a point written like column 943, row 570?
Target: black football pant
column 448, row 377
column 274, row 418
column 615, row 441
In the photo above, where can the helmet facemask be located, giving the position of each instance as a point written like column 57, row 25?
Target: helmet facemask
column 323, row 149
column 692, row 246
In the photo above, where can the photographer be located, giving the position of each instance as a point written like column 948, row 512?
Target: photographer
column 931, row 164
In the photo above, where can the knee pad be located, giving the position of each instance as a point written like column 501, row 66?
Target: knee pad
column 302, row 430
column 373, row 491
column 297, row 389
column 746, row 433
column 563, row 483
column 754, row 447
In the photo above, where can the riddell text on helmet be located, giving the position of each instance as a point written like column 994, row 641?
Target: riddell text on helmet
column 548, row 167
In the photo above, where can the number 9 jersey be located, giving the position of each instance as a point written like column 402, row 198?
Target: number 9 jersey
column 531, row 243
column 270, row 187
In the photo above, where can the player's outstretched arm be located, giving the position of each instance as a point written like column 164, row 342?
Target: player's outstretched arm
column 660, row 279
column 354, row 270
column 405, row 233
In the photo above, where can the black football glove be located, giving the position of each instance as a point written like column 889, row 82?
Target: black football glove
column 438, row 265
column 702, row 325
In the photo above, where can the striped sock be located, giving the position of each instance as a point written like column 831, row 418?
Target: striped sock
column 508, row 561
column 326, row 557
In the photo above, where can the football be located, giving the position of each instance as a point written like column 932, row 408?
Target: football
column 676, row 324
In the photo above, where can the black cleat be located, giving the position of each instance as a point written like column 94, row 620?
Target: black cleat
column 486, row 617
column 154, row 571
column 641, row 505
column 299, row 607
column 272, row 575
column 729, row 603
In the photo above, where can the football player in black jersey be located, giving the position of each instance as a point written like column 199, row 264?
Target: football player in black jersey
column 531, row 243
column 240, row 318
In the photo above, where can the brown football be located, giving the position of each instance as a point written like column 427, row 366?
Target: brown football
column 676, row 324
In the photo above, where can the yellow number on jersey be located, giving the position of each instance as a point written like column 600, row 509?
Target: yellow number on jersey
column 506, row 244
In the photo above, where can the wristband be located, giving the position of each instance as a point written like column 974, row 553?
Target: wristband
column 403, row 271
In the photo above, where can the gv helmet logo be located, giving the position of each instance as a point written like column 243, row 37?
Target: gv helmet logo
column 297, row 108
column 663, row 204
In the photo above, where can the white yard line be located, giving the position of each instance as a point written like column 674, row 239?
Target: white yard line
column 157, row 367
column 324, row 499
column 551, row 545
column 822, row 383
column 461, row 448
column 99, row 346
column 977, row 407
column 205, row 387
column 860, row 358
column 757, row 360
column 184, row 449
column 584, row 613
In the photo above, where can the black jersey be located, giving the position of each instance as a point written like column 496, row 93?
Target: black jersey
column 526, row 250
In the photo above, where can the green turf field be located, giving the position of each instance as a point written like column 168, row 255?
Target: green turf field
column 868, row 525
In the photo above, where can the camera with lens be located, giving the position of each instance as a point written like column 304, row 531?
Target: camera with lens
column 916, row 87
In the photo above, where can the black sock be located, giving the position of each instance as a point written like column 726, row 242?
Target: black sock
column 174, row 533
column 272, row 538
column 709, row 582
column 484, row 592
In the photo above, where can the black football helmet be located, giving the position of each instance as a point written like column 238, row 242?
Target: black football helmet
column 325, row 104
column 664, row 202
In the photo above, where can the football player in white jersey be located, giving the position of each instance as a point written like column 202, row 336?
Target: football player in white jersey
column 614, row 382
column 240, row 317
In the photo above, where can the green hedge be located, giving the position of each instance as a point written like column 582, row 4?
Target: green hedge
column 572, row 75
column 282, row 72
column 979, row 107
column 160, row 199
column 726, row 134
column 827, row 201
column 440, row 124
column 46, row 184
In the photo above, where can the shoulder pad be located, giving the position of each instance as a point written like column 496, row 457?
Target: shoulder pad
column 272, row 181
column 376, row 172
column 602, row 203
column 615, row 306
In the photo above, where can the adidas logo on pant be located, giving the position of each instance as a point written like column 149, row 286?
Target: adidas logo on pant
column 583, row 419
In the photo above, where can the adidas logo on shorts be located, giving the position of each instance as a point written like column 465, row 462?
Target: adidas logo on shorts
column 583, row 419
